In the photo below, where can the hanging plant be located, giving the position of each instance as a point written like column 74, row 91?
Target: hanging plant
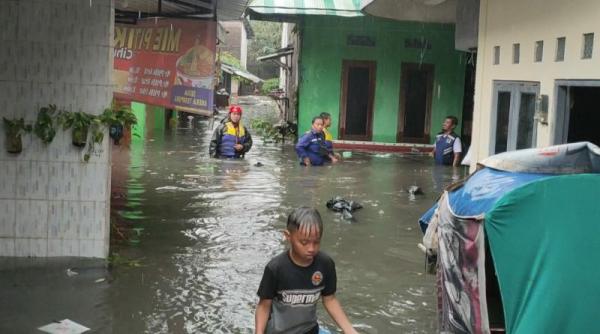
column 96, row 138
column 79, row 123
column 14, row 128
column 118, row 118
column 46, row 123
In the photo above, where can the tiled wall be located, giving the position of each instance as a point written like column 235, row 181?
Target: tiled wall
column 54, row 52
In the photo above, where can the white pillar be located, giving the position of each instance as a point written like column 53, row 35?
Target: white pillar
column 54, row 52
column 285, row 34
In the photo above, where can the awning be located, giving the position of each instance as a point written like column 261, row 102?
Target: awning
column 282, row 9
column 432, row 11
column 236, row 71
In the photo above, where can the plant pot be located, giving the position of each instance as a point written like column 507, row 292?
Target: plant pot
column 79, row 136
column 116, row 133
column 14, row 144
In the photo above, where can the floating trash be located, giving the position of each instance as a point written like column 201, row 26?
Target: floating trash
column 64, row 326
column 415, row 190
column 338, row 204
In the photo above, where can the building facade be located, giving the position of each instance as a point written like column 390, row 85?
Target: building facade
column 382, row 80
column 538, row 75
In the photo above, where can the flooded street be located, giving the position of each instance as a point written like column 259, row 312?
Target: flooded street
column 203, row 230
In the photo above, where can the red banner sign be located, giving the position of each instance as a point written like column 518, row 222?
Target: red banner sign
column 169, row 63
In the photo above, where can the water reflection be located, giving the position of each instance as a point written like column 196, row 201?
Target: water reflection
column 211, row 225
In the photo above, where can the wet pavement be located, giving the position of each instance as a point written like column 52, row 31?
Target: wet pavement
column 205, row 228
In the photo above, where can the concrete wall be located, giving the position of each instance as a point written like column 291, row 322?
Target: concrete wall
column 59, row 52
column 324, row 48
column 502, row 23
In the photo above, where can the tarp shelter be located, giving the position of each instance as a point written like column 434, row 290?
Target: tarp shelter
column 538, row 210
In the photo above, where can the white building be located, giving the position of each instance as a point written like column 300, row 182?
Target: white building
column 538, row 75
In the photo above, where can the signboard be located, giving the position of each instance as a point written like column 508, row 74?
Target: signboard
column 168, row 63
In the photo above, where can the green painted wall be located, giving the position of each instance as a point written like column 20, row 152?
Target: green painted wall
column 324, row 47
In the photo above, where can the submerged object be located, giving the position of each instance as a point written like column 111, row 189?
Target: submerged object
column 338, row 204
column 415, row 190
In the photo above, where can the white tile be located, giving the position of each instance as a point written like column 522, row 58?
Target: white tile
column 55, row 180
column 55, row 247
column 22, row 247
column 32, row 219
column 72, row 219
column 86, row 220
column 7, row 218
column 38, row 247
column 70, row 247
column 57, row 225
column 71, row 179
column 23, row 175
column 37, row 183
column 7, row 247
column 101, row 225
column 8, row 12
column 88, row 181
column 8, row 178
column 87, row 248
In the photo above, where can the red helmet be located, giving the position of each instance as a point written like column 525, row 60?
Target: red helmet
column 235, row 108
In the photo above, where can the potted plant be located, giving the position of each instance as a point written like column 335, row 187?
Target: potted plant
column 45, row 125
column 118, row 118
column 14, row 128
column 79, row 123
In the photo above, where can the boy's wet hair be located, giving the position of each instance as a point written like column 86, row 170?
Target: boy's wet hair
column 305, row 218
column 453, row 119
column 316, row 118
column 325, row 115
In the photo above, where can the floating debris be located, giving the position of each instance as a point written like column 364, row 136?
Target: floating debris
column 338, row 204
column 415, row 190
column 64, row 326
column 258, row 164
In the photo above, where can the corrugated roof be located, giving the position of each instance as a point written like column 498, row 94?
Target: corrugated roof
column 291, row 8
column 244, row 74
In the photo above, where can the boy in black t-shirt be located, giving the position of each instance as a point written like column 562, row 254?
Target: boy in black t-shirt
column 294, row 281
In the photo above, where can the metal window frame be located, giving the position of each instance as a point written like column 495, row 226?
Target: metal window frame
column 516, row 89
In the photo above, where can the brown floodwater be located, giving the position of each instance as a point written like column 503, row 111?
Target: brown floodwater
column 201, row 231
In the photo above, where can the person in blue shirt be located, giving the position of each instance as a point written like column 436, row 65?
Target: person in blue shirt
column 231, row 139
column 448, row 147
column 311, row 148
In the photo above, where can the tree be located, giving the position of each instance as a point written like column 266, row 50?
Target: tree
column 267, row 39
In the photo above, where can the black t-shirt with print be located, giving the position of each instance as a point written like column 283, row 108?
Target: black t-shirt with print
column 295, row 291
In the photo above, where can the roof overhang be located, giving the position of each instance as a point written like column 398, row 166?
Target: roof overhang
column 292, row 10
column 276, row 57
column 431, row 11
column 129, row 11
column 244, row 74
